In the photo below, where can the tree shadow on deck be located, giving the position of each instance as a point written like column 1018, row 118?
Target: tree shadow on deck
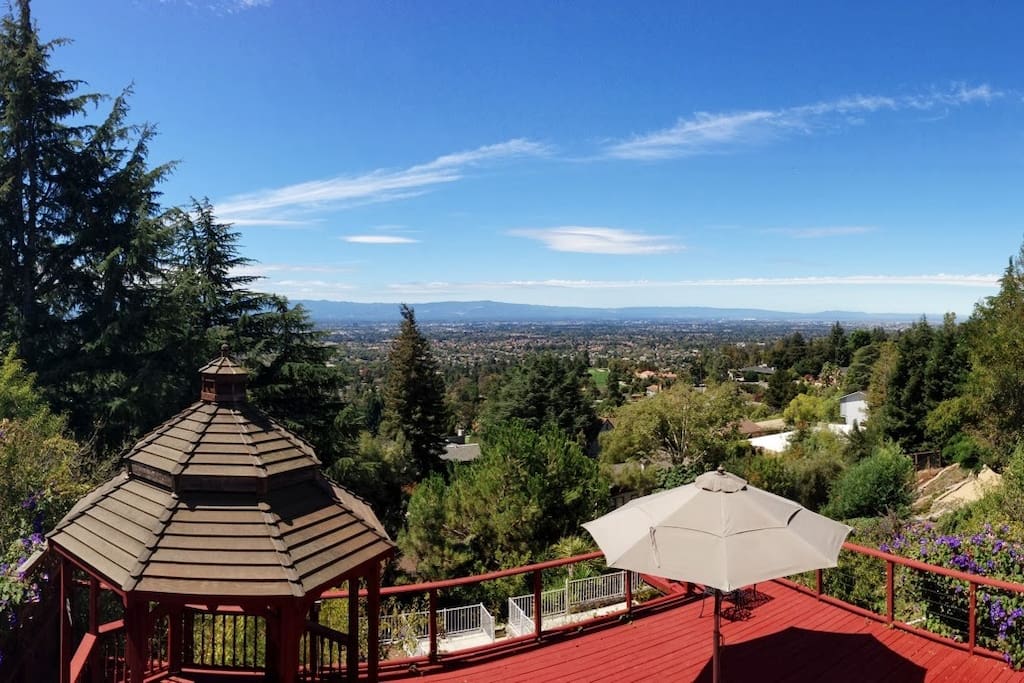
column 799, row 655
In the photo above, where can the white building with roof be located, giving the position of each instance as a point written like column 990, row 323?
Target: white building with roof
column 854, row 408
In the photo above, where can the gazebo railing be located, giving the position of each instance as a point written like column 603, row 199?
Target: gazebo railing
column 323, row 653
column 225, row 639
column 108, row 654
column 112, row 652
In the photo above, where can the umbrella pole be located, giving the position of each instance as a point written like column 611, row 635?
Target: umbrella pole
column 716, row 672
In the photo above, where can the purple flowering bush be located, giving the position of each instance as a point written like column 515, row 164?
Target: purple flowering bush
column 941, row 602
column 41, row 481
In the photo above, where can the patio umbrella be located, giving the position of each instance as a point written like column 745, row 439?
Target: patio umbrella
column 719, row 532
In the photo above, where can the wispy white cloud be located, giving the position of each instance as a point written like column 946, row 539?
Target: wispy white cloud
column 379, row 239
column 268, row 222
column 267, row 269
column 311, row 289
column 598, row 240
column 220, row 6
column 291, row 202
column 820, row 232
column 706, row 132
column 300, row 281
column 510, row 149
column 940, row 279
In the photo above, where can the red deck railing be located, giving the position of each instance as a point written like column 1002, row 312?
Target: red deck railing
column 892, row 593
column 956, row 612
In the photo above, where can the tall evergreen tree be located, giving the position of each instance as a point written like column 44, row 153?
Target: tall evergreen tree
column 414, row 393
column 903, row 413
column 209, row 302
column 205, row 295
column 38, row 142
column 120, row 247
column 545, row 390
column 993, row 398
column 80, row 239
column 293, row 378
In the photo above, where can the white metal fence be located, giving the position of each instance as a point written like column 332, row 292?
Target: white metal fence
column 520, row 610
column 577, row 595
column 409, row 629
column 519, row 622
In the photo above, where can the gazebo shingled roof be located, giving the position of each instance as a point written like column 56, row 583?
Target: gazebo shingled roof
column 222, row 501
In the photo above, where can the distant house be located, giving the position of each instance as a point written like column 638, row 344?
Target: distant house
column 854, row 408
column 771, row 443
column 777, row 443
column 653, row 390
column 461, row 452
column 749, row 429
column 646, row 374
column 761, row 372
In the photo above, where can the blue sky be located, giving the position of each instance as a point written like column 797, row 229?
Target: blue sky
column 800, row 157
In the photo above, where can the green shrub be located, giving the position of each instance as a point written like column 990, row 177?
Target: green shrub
column 771, row 474
column 814, row 476
column 874, row 486
column 966, row 451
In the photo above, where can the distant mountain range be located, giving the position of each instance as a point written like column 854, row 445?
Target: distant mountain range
column 327, row 312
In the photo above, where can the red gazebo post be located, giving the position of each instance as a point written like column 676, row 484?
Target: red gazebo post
column 373, row 622
column 352, row 653
column 136, row 618
column 66, row 632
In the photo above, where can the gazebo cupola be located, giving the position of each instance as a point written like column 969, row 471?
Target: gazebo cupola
column 223, row 380
column 222, row 506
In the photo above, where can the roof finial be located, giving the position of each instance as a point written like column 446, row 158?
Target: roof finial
column 224, row 348
column 721, row 469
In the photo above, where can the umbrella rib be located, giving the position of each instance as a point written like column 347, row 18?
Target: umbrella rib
column 720, row 535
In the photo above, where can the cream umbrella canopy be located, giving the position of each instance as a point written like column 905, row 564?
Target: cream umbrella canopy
column 720, row 532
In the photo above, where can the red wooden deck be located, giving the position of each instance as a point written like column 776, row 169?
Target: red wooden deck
column 784, row 635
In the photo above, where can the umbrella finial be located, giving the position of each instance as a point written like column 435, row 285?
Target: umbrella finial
column 720, row 480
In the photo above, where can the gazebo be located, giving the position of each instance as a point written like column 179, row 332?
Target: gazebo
column 220, row 511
